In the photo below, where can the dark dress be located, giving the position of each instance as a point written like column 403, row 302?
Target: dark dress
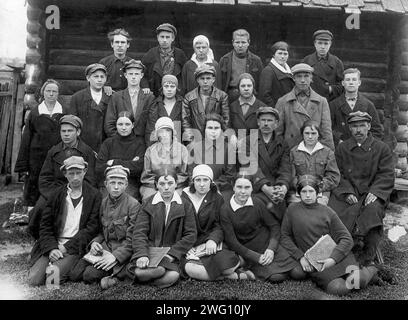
column 304, row 224
column 209, row 228
column 41, row 132
column 249, row 231
column 122, row 150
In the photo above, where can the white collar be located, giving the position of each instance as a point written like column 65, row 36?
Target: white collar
column 210, row 58
column 158, row 198
column 235, row 206
column 42, row 108
column 317, row 147
column 285, row 69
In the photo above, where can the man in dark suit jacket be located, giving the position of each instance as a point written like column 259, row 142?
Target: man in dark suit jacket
column 131, row 99
column 328, row 69
column 70, row 220
column 352, row 101
column 163, row 59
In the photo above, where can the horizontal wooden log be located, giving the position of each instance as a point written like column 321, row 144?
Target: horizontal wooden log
column 69, row 87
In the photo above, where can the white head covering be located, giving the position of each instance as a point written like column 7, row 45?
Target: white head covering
column 203, row 170
column 210, row 54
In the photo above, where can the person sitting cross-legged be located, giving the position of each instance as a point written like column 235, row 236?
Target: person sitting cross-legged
column 69, row 221
column 165, row 220
column 113, row 243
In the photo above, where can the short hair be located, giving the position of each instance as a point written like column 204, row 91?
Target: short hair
column 314, row 183
column 243, row 175
column 215, row 117
column 46, row 83
column 126, row 114
column 117, row 32
column 158, row 176
column 280, row 45
column 352, row 70
column 241, row 33
column 311, row 124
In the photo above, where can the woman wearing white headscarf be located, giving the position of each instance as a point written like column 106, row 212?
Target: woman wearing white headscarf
column 202, row 55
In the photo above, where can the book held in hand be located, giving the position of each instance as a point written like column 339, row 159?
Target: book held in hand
column 91, row 258
column 321, row 250
column 199, row 252
column 156, row 254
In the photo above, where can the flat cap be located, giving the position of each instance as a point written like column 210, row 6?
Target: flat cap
column 132, row 63
column 74, row 162
column 166, row 27
column 322, row 35
column 72, row 120
column 117, row 171
column 302, row 67
column 205, row 68
column 94, row 67
column 266, row 110
column 358, row 116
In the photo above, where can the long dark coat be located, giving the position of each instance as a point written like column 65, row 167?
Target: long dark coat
column 339, row 111
column 51, row 176
column 179, row 233
column 326, row 73
column 365, row 169
column 249, row 121
column 154, row 71
column 41, row 132
column 53, row 221
column 92, row 115
column 274, row 84
column 120, row 101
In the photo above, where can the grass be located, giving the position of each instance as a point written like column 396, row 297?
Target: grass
column 14, row 267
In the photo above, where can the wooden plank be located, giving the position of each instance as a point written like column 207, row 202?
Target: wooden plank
column 324, row 3
column 4, row 126
column 405, row 5
column 393, row 5
column 10, row 133
column 357, row 3
column 69, row 87
column 18, row 125
column 338, row 3
column 372, row 7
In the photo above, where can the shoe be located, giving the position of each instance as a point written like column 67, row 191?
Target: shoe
column 108, row 282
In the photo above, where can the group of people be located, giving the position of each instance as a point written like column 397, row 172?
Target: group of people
column 170, row 152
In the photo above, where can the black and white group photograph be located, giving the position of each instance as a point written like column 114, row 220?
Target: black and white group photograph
column 204, row 158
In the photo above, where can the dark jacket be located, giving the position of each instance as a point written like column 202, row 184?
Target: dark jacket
column 194, row 111
column 249, row 121
column 51, row 175
column 154, row 71
column 120, row 101
column 157, row 110
column 274, row 84
column 339, row 111
column 116, row 78
column 52, row 222
column 41, row 132
column 92, row 115
column 189, row 81
column 272, row 159
column 254, row 67
column 219, row 157
column 179, row 233
column 122, row 150
column 326, row 73
column 208, row 218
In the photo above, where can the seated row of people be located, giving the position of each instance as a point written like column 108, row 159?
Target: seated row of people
column 239, row 238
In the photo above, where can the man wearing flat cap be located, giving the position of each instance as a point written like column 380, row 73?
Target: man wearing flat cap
column 302, row 103
column 51, row 176
column 239, row 60
column 113, row 243
column 69, row 221
column 163, row 59
column 132, row 99
column 203, row 100
column 351, row 101
column 90, row 106
column 269, row 156
column 328, row 69
column 367, row 180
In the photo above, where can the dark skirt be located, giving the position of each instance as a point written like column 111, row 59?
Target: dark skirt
column 322, row 279
column 169, row 266
column 282, row 262
column 215, row 264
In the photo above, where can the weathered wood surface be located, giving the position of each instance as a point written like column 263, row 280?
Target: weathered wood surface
column 18, row 124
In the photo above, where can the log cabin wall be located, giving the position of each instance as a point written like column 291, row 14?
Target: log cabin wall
column 82, row 37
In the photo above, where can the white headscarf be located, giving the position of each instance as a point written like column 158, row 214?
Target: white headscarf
column 210, row 54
